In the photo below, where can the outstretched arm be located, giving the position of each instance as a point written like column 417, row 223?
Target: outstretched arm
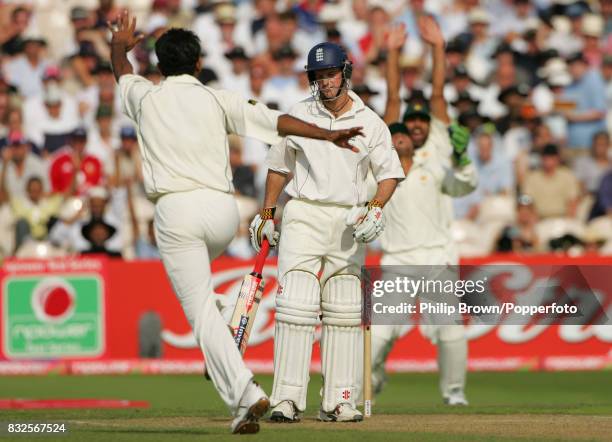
column 122, row 42
column 432, row 35
column 288, row 125
column 395, row 41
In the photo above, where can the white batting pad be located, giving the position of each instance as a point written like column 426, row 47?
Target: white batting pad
column 452, row 363
column 341, row 341
column 297, row 314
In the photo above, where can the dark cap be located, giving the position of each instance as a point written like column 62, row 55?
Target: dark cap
column 237, row 52
column 455, row 46
column 503, row 48
column 464, row 96
column 103, row 67
column 398, row 128
column 550, row 150
column 364, row 89
column 128, row 132
column 79, row 132
column 577, row 56
column 520, row 89
column 87, row 228
column 87, row 49
column 416, row 109
column 285, row 51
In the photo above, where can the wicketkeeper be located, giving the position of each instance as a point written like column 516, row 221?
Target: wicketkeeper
column 433, row 154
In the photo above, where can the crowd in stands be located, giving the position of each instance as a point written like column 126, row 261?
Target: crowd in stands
column 532, row 79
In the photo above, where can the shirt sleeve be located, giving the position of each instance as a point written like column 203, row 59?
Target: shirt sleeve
column 281, row 158
column 460, row 182
column 384, row 161
column 133, row 88
column 438, row 131
column 249, row 118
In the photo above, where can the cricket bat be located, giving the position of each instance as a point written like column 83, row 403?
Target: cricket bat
column 249, row 297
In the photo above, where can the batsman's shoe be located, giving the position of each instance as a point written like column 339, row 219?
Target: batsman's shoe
column 253, row 405
column 285, row 412
column 456, row 397
column 342, row 413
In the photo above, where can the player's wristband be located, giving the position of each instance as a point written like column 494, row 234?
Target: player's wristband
column 375, row 203
column 267, row 213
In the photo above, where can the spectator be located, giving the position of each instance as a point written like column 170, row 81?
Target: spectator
column 128, row 163
column 603, row 198
column 281, row 88
column 98, row 234
column 32, row 212
column 22, row 165
column 495, row 176
column 70, row 233
column 145, row 246
column 11, row 37
column 589, row 170
column 592, row 31
column 51, row 124
column 62, row 168
column 588, row 92
column 243, row 176
column 554, row 188
column 26, row 71
column 521, row 236
column 102, row 140
column 238, row 78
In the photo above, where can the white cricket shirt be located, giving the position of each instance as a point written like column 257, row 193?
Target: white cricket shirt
column 182, row 130
column 419, row 214
column 325, row 173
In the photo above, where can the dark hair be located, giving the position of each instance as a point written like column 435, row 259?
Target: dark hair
column 34, row 179
column 178, row 52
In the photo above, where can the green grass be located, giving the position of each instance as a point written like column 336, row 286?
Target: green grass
column 188, row 408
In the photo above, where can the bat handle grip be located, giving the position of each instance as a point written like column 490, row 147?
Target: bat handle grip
column 261, row 256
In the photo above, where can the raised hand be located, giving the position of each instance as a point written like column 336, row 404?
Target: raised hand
column 430, row 31
column 342, row 138
column 124, row 31
column 396, row 38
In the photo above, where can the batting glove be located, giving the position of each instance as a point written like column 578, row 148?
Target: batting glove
column 372, row 224
column 262, row 227
column 460, row 137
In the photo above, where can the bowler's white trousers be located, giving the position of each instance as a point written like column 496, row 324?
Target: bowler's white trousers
column 192, row 228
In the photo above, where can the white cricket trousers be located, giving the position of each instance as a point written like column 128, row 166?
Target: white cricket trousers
column 192, row 228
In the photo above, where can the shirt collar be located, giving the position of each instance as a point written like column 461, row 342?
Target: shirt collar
column 357, row 106
column 183, row 78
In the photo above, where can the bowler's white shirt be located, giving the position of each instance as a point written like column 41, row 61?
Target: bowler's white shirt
column 325, row 173
column 419, row 214
column 182, row 130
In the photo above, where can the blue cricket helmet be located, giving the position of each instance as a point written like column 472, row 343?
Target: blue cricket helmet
column 325, row 56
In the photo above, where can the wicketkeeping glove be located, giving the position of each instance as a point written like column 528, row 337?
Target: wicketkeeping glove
column 262, row 227
column 371, row 225
column 460, row 137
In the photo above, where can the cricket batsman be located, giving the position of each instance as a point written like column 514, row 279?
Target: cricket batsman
column 182, row 129
column 419, row 215
column 324, row 230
